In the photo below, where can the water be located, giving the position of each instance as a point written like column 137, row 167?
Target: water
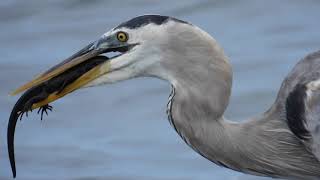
column 121, row 131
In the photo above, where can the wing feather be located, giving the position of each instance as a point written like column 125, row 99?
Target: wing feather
column 300, row 97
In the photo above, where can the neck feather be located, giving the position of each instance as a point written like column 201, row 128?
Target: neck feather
column 261, row 146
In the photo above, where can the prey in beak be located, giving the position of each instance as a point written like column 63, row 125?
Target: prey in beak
column 66, row 77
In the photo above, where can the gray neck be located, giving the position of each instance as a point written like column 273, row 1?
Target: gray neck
column 262, row 145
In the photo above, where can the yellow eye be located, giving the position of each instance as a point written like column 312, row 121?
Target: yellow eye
column 122, row 36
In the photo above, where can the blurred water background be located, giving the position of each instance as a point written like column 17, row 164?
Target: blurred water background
column 121, row 131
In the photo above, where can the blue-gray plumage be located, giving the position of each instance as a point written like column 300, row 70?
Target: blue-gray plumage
column 283, row 142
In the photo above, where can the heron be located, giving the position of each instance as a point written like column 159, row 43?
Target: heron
column 282, row 142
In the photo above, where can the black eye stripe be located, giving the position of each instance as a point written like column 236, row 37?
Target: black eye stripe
column 147, row 19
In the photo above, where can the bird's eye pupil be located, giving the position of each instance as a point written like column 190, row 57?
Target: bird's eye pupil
column 122, row 36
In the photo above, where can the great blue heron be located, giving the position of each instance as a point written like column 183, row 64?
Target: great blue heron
column 283, row 142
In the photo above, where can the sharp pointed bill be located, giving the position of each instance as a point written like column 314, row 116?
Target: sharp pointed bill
column 90, row 51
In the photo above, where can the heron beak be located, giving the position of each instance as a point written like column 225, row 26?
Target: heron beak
column 103, row 45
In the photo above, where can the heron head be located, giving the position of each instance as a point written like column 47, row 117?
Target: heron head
column 142, row 45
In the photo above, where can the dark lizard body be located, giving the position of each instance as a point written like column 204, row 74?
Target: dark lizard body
column 40, row 93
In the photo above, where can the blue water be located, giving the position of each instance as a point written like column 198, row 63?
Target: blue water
column 121, row 131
